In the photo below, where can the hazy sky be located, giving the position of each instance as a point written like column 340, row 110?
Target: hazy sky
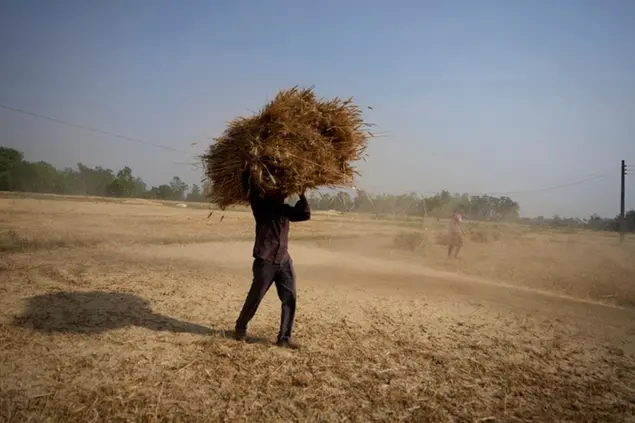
column 477, row 96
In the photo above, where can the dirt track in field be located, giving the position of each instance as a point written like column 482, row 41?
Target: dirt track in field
column 113, row 330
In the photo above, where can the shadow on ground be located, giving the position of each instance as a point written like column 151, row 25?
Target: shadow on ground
column 99, row 311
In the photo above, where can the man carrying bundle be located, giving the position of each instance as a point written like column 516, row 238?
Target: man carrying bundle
column 296, row 142
column 456, row 233
column 272, row 263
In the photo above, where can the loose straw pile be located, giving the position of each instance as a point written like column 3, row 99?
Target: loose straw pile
column 296, row 142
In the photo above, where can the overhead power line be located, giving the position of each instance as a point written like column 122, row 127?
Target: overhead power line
column 88, row 128
column 165, row 147
column 554, row 187
column 578, row 181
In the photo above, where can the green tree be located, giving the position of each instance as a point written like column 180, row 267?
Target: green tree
column 10, row 158
column 195, row 194
column 72, row 181
column 94, row 181
column 343, row 202
column 363, row 202
column 36, row 177
column 178, row 187
column 162, row 192
column 126, row 185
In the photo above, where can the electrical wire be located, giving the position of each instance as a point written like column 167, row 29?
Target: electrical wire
column 139, row 141
column 88, row 128
column 578, row 181
column 554, row 187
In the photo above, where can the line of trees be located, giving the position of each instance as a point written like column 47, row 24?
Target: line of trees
column 18, row 174
column 594, row 222
column 439, row 205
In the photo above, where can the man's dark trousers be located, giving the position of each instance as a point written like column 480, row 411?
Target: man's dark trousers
column 265, row 274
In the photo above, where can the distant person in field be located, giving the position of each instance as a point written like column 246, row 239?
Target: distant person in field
column 272, row 263
column 456, row 234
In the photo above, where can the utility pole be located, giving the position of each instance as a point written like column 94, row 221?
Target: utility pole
column 622, row 198
column 425, row 209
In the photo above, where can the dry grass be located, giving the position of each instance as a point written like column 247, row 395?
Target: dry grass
column 296, row 142
column 411, row 241
column 121, row 312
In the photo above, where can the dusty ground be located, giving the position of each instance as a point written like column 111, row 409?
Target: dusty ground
column 121, row 312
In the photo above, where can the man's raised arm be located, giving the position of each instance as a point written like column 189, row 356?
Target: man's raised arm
column 301, row 212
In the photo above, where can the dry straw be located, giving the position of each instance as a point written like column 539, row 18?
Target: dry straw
column 294, row 143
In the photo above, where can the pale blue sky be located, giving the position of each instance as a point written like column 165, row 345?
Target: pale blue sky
column 476, row 96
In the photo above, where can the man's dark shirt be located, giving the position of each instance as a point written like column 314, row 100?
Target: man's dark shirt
column 272, row 226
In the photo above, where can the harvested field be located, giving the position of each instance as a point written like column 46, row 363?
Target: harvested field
column 122, row 312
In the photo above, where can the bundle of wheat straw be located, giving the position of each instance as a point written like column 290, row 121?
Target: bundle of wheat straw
column 296, row 142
